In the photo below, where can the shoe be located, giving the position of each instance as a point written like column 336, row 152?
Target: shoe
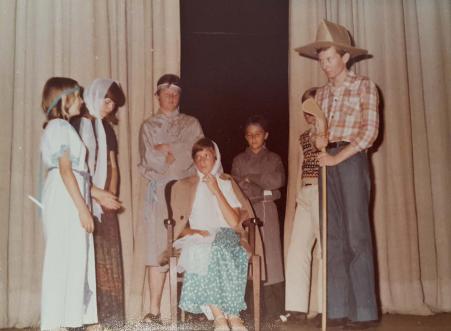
column 152, row 318
column 356, row 325
column 94, row 327
column 315, row 320
column 220, row 324
column 332, row 322
column 236, row 324
column 293, row 317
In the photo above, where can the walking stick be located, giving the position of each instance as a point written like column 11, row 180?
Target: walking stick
column 309, row 106
column 324, row 244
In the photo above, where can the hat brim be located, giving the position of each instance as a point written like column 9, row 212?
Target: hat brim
column 310, row 50
column 310, row 106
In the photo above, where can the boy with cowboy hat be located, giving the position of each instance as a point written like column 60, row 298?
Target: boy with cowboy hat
column 350, row 103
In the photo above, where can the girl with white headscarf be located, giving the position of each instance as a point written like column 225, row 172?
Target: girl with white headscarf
column 102, row 98
column 212, row 255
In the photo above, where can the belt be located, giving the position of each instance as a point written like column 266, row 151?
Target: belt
column 86, row 181
column 309, row 181
column 337, row 144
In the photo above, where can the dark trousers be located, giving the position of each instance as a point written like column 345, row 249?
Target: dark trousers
column 350, row 265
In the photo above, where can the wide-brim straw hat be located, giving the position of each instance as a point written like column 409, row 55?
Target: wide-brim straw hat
column 310, row 106
column 330, row 34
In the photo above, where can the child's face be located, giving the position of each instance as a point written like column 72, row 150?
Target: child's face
column 75, row 108
column 310, row 119
column 169, row 99
column 255, row 137
column 107, row 107
column 205, row 160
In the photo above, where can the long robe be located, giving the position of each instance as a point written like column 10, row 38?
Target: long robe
column 265, row 176
column 68, row 276
column 107, row 240
column 181, row 132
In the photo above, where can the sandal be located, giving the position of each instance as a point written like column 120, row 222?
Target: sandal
column 152, row 318
column 237, row 324
column 220, row 324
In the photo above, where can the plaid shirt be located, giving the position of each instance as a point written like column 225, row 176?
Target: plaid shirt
column 351, row 111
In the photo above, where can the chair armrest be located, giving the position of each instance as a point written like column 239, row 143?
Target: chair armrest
column 168, row 221
column 169, row 224
column 169, row 252
column 251, row 223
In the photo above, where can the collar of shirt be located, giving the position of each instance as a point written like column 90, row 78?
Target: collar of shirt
column 252, row 154
column 349, row 79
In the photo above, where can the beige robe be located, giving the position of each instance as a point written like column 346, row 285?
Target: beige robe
column 180, row 131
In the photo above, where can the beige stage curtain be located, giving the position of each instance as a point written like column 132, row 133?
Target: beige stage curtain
column 131, row 41
column 411, row 47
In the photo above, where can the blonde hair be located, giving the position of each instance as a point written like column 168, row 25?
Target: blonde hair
column 51, row 97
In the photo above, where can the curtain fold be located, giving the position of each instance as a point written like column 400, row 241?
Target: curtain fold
column 132, row 42
column 410, row 46
column 7, row 29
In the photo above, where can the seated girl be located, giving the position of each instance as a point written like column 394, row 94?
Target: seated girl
column 212, row 252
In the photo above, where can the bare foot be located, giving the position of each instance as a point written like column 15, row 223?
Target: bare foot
column 220, row 323
column 236, row 323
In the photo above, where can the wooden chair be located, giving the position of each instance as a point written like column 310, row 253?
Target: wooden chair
column 251, row 225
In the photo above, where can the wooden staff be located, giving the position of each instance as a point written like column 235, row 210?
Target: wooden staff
column 324, row 245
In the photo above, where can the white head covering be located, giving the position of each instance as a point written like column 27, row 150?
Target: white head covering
column 94, row 96
column 217, row 167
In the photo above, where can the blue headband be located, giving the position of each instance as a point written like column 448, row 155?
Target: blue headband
column 58, row 98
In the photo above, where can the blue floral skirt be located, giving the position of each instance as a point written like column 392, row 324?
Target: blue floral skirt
column 225, row 282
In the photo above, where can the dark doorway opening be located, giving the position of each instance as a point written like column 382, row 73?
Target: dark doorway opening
column 235, row 64
column 234, row 57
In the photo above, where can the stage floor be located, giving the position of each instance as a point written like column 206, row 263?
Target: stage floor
column 439, row 322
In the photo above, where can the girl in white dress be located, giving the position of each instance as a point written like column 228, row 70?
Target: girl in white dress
column 68, row 276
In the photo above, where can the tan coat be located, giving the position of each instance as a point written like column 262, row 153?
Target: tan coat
column 182, row 199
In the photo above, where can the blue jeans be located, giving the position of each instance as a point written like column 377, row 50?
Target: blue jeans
column 350, row 283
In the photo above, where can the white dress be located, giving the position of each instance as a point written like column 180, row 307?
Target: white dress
column 68, row 276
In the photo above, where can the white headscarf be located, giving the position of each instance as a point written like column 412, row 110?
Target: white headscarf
column 217, row 167
column 94, row 96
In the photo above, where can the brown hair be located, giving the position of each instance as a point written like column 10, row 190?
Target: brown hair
column 116, row 94
column 170, row 79
column 200, row 145
column 259, row 120
column 53, row 88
